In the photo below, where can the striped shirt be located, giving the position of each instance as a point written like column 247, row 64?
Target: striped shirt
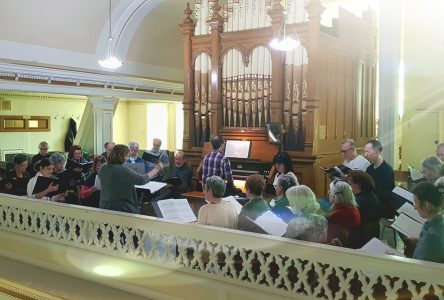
column 215, row 163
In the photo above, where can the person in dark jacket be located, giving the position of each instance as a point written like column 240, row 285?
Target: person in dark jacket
column 17, row 179
column 363, row 187
column 43, row 153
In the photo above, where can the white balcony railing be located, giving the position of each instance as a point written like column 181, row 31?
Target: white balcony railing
column 273, row 266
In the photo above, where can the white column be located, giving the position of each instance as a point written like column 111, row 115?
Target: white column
column 390, row 22
column 103, row 109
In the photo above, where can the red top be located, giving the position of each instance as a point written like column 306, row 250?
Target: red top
column 345, row 215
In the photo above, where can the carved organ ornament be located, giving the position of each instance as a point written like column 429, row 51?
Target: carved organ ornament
column 246, row 76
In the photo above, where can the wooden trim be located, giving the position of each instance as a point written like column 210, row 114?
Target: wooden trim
column 43, row 123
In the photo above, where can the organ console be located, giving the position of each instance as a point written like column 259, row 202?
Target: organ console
column 260, row 160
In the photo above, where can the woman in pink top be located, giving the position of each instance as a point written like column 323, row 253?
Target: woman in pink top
column 217, row 212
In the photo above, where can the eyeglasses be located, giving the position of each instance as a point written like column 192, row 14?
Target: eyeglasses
column 345, row 151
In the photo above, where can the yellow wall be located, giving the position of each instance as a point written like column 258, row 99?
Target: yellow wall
column 130, row 123
column 130, row 120
column 59, row 107
column 120, row 126
column 423, row 121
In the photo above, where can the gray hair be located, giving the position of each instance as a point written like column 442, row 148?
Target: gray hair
column 57, row 158
column 434, row 164
column 349, row 141
column 133, row 144
column 302, row 199
column 286, row 181
column 216, row 185
column 344, row 194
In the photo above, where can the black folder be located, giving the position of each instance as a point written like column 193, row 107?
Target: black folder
column 337, row 171
column 70, row 164
column 43, row 182
column 174, row 181
column 151, row 157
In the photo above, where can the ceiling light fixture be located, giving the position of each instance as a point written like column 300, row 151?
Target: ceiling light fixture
column 111, row 61
column 283, row 42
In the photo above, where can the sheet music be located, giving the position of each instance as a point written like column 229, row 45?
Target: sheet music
column 240, row 149
column 410, row 211
column 97, row 183
column 235, row 203
column 271, row 223
column 407, row 226
column 379, row 247
column 153, row 186
column 403, row 193
column 414, row 173
column 177, row 210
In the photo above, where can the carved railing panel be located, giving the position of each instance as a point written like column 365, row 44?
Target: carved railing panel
column 276, row 265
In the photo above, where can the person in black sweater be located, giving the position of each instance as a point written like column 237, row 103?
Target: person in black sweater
column 16, row 180
column 43, row 153
column 383, row 176
column 183, row 172
column 363, row 188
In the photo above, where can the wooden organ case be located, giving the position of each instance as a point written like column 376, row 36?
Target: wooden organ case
column 321, row 92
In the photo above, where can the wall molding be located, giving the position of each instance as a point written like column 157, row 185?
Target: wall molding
column 17, row 77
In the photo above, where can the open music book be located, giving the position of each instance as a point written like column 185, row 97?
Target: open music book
column 153, row 186
column 174, row 209
column 43, row 182
column 406, row 195
column 415, row 174
column 407, row 226
column 238, row 149
column 98, row 183
column 409, row 210
column 151, row 157
column 337, row 171
column 85, row 166
column 379, row 247
column 235, row 203
column 271, row 223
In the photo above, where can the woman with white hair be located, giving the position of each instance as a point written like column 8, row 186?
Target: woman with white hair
column 432, row 168
column 306, row 225
column 345, row 214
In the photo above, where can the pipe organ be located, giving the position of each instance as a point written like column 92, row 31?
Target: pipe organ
column 236, row 83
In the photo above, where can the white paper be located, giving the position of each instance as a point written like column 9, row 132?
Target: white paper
column 410, row 211
column 407, row 226
column 271, row 223
column 377, row 246
column 414, row 173
column 177, row 210
column 97, row 183
column 234, row 202
column 238, row 149
column 153, row 186
column 403, row 193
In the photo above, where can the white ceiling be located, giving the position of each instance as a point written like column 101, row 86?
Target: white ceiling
column 67, row 33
